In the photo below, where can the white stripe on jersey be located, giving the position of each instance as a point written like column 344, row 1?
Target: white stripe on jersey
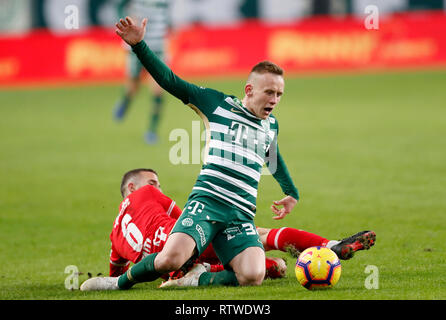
column 238, row 150
column 225, row 198
column 238, row 183
column 158, row 13
column 119, row 264
column 231, row 115
column 254, row 174
column 217, row 127
column 172, row 205
column 230, row 194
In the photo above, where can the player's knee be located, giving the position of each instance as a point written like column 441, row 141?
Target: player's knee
column 176, row 252
column 168, row 262
column 252, row 277
column 249, row 266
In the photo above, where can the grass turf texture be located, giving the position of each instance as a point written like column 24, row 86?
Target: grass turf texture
column 366, row 152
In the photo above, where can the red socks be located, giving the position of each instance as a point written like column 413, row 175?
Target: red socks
column 284, row 238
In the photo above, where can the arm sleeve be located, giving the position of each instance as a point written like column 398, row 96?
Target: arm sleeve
column 176, row 212
column 161, row 73
column 169, row 205
column 118, row 265
column 188, row 93
column 283, row 177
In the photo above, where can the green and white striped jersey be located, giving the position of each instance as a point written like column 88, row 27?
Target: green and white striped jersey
column 238, row 143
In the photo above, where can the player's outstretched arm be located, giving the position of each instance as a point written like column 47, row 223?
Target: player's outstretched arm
column 285, row 181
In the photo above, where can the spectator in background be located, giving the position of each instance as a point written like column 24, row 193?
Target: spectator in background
column 158, row 10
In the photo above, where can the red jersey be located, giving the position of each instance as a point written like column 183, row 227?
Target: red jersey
column 146, row 217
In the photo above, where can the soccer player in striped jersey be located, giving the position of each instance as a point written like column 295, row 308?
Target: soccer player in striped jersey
column 241, row 138
column 159, row 10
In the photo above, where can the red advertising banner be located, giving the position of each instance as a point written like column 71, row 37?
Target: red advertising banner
column 316, row 44
column 40, row 56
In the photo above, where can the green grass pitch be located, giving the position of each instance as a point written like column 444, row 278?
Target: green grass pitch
column 367, row 151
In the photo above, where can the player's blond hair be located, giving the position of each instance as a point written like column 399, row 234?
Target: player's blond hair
column 267, row 67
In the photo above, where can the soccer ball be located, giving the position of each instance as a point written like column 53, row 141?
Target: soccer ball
column 318, row 268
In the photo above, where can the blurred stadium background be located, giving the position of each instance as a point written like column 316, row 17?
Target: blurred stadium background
column 363, row 122
column 301, row 36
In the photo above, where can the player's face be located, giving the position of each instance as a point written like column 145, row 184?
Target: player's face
column 148, row 178
column 264, row 92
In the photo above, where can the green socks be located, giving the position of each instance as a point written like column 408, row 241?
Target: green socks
column 156, row 113
column 224, row 277
column 143, row 271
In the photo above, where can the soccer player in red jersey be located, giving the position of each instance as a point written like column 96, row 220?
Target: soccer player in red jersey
column 146, row 217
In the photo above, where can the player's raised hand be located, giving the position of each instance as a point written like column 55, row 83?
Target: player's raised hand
column 288, row 204
column 129, row 31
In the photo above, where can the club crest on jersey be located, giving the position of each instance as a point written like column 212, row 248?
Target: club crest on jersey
column 187, row 222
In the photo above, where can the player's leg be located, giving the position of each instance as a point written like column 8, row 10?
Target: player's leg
column 294, row 241
column 204, row 274
column 346, row 247
column 249, row 266
column 179, row 248
column 275, row 267
column 289, row 239
column 197, row 221
column 239, row 248
column 151, row 135
column 134, row 68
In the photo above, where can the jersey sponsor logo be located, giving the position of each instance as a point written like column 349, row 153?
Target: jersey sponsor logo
column 147, row 247
column 201, row 233
column 195, row 207
column 248, row 228
column 239, row 131
column 159, row 236
column 232, row 232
